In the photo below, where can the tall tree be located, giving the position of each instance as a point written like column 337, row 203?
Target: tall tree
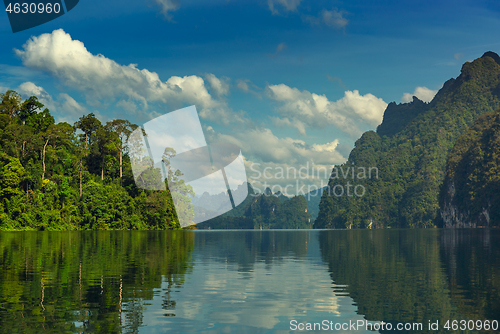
column 55, row 133
column 29, row 107
column 89, row 125
column 11, row 103
column 107, row 143
column 123, row 129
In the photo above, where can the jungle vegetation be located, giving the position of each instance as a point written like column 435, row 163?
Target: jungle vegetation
column 71, row 177
column 470, row 195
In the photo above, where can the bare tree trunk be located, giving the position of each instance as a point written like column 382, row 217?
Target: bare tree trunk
column 43, row 157
column 121, row 170
column 102, row 169
column 81, row 176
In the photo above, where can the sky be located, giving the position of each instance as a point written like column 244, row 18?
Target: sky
column 293, row 83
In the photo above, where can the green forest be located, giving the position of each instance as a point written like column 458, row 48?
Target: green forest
column 410, row 150
column 264, row 211
column 71, row 177
column 470, row 195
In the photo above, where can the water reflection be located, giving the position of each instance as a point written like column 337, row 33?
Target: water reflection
column 416, row 275
column 242, row 249
column 87, row 282
column 244, row 281
column 253, row 282
column 472, row 262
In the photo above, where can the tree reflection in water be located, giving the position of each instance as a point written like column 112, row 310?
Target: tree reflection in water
column 87, row 282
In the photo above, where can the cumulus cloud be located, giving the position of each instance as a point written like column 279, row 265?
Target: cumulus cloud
column 265, row 152
column 261, row 144
column 27, row 89
column 286, row 5
column 423, row 93
column 243, row 85
column 64, row 108
column 219, row 86
column 247, row 86
column 168, row 6
column 303, row 109
column 70, row 110
column 331, row 18
column 103, row 79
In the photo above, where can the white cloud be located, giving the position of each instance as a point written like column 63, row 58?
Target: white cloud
column 261, row 144
column 328, row 147
column 331, row 18
column 423, row 93
column 219, row 86
column 102, row 79
column 128, row 106
column 302, row 109
column 167, row 6
column 242, row 85
column 64, row 108
column 27, row 89
column 247, row 86
column 287, row 5
column 264, row 152
column 70, row 110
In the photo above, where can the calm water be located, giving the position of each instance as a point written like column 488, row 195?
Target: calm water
column 245, row 281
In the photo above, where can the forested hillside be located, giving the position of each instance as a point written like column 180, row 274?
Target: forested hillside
column 65, row 177
column 470, row 195
column 264, row 211
column 409, row 150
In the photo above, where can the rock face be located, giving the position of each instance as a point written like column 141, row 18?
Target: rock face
column 397, row 116
column 454, row 217
column 470, row 195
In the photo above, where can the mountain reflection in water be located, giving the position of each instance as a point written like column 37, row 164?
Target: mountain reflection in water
column 243, row 281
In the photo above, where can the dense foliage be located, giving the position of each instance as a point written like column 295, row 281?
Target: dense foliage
column 264, row 211
column 470, row 195
column 411, row 159
column 64, row 177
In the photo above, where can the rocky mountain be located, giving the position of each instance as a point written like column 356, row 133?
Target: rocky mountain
column 393, row 176
column 470, row 195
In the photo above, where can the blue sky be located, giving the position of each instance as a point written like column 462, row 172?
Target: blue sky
column 292, row 82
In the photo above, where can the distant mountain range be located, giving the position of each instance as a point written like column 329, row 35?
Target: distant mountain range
column 263, row 211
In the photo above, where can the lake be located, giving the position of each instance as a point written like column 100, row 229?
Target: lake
column 269, row 281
